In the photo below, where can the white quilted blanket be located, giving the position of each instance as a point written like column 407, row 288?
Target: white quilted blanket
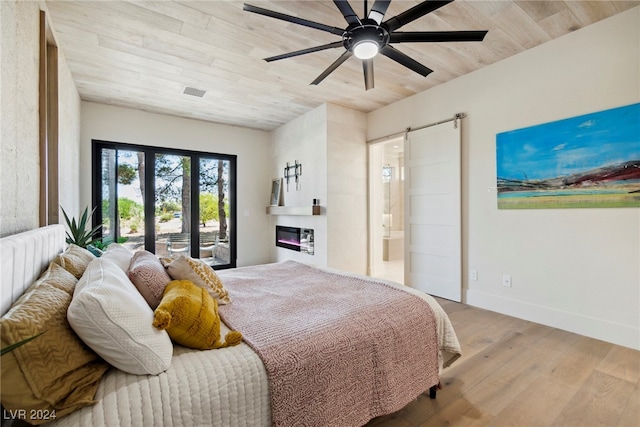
column 225, row 387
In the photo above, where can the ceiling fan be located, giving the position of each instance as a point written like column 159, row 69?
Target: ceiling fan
column 365, row 37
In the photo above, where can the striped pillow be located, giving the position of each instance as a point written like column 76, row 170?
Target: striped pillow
column 200, row 273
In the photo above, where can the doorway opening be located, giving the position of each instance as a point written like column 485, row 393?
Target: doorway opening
column 386, row 210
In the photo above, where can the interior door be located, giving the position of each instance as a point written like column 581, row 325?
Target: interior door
column 433, row 255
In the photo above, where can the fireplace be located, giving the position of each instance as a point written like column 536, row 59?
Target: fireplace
column 294, row 238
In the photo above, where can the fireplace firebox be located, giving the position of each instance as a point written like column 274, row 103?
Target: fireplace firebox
column 294, row 238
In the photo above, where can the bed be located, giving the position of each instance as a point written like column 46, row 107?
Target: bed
column 242, row 385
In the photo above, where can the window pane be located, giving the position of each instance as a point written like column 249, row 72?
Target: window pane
column 131, row 199
column 108, row 194
column 214, row 211
column 173, row 204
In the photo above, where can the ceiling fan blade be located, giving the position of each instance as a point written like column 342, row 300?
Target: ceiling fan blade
column 367, row 68
column 378, row 10
column 305, row 51
column 348, row 12
column 293, row 19
column 403, row 59
column 346, row 55
column 437, row 36
column 414, row 13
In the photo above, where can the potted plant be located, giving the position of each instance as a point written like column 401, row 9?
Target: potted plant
column 78, row 233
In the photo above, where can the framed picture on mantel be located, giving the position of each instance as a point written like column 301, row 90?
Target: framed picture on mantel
column 276, row 191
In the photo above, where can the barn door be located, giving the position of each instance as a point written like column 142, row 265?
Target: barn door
column 433, row 255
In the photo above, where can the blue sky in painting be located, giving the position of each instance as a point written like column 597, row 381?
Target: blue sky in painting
column 571, row 145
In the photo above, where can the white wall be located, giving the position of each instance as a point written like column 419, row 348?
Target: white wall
column 19, row 122
column 303, row 139
column 576, row 269
column 330, row 142
column 347, row 189
column 68, row 140
column 19, row 144
column 251, row 146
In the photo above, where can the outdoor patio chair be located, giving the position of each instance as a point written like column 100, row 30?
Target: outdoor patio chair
column 177, row 243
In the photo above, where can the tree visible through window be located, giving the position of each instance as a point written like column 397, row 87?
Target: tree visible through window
column 188, row 198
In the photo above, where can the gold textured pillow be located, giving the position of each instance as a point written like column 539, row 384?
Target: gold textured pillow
column 75, row 260
column 201, row 274
column 190, row 316
column 56, row 373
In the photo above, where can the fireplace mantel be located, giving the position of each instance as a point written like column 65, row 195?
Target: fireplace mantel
column 293, row 210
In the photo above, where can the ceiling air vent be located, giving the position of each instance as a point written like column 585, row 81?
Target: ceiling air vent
column 194, row 92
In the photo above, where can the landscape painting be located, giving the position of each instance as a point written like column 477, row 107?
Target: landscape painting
column 589, row 161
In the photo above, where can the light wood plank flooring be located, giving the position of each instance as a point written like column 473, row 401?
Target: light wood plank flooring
column 519, row 373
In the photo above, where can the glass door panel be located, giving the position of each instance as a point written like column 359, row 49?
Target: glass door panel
column 122, row 197
column 108, row 188
column 214, row 211
column 130, row 199
column 172, row 204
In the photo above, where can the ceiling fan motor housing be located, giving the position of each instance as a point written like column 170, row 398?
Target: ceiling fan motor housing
column 369, row 31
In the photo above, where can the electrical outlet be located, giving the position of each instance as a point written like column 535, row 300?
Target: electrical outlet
column 506, row 280
column 474, row 274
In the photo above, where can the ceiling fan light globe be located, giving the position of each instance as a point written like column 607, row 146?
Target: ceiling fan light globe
column 366, row 49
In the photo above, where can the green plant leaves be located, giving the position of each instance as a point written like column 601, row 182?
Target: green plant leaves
column 77, row 233
column 19, row 343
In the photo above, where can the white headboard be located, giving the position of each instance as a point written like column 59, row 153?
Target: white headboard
column 24, row 257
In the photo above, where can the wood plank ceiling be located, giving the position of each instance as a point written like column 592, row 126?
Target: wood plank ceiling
column 142, row 54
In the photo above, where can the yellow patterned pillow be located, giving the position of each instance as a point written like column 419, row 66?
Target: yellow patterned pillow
column 201, row 274
column 75, row 260
column 56, row 373
column 190, row 316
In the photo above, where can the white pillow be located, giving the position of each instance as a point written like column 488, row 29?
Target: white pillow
column 110, row 316
column 119, row 255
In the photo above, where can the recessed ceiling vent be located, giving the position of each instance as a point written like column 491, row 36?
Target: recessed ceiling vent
column 194, row 92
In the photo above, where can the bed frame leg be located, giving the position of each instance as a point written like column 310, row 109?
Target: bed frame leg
column 433, row 390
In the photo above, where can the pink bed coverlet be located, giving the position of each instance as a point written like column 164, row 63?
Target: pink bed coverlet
column 338, row 350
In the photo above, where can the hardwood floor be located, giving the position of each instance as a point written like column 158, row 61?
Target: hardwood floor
column 518, row 373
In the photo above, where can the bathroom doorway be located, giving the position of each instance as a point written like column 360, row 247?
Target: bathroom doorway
column 386, row 210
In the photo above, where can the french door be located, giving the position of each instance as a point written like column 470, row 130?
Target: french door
column 166, row 201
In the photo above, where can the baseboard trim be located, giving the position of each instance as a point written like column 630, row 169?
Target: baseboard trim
column 604, row 330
